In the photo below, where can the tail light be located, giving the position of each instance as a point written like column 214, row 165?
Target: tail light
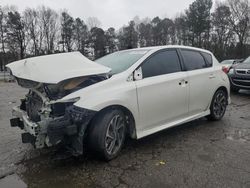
column 225, row 69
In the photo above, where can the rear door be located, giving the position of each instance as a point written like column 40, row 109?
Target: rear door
column 201, row 79
column 162, row 92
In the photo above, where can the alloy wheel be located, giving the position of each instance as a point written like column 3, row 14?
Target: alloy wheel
column 115, row 134
column 220, row 103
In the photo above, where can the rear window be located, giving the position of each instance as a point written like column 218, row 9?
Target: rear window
column 193, row 60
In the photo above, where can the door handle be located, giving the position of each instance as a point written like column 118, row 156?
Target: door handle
column 211, row 76
column 181, row 82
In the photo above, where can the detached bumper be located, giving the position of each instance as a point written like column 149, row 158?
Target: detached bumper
column 31, row 129
column 51, row 131
column 47, row 132
column 26, row 137
column 29, row 126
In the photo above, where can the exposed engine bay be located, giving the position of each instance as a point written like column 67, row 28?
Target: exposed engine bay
column 49, row 121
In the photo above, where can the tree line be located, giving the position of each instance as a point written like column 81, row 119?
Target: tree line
column 225, row 31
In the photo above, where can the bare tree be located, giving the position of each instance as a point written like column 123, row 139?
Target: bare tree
column 240, row 20
column 49, row 19
column 31, row 18
column 2, row 29
column 181, row 30
column 80, row 35
column 93, row 22
column 67, row 30
column 16, row 33
column 222, row 30
column 2, row 36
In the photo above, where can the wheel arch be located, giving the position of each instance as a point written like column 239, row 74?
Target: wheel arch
column 211, row 116
column 130, row 120
column 224, row 89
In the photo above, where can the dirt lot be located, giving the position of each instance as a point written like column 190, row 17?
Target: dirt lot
column 197, row 154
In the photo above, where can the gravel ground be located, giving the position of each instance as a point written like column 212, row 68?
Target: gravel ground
column 197, row 154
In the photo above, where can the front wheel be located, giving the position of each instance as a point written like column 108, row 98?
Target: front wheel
column 107, row 133
column 218, row 105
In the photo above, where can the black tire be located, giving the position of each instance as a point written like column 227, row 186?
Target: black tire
column 218, row 105
column 102, row 136
column 235, row 90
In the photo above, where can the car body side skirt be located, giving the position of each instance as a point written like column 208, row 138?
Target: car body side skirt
column 155, row 129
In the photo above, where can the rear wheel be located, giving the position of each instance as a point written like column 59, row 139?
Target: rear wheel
column 218, row 105
column 107, row 133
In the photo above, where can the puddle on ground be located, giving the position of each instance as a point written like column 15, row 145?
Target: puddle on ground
column 12, row 181
column 43, row 172
column 239, row 135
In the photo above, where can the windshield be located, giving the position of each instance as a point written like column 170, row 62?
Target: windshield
column 247, row 60
column 227, row 62
column 122, row 60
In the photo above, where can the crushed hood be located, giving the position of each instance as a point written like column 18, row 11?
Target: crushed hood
column 55, row 68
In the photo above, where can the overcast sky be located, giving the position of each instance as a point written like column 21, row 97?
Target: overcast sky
column 111, row 13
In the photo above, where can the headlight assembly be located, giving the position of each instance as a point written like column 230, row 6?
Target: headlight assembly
column 72, row 100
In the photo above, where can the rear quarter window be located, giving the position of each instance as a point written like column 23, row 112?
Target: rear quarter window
column 208, row 58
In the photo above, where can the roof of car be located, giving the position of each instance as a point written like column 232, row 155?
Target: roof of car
column 170, row 46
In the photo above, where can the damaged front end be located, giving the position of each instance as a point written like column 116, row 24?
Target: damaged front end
column 47, row 119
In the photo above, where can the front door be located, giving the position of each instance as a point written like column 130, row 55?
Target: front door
column 163, row 90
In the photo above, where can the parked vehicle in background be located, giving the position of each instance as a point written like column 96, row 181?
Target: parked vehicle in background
column 5, row 76
column 240, row 60
column 134, row 92
column 229, row 63
column 239, row 76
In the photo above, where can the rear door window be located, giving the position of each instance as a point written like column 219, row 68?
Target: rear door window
column 193, row 60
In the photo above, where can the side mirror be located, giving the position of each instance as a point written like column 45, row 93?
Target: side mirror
column 138, row 74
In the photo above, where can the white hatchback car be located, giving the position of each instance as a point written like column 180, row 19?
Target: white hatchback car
column 137, row 92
